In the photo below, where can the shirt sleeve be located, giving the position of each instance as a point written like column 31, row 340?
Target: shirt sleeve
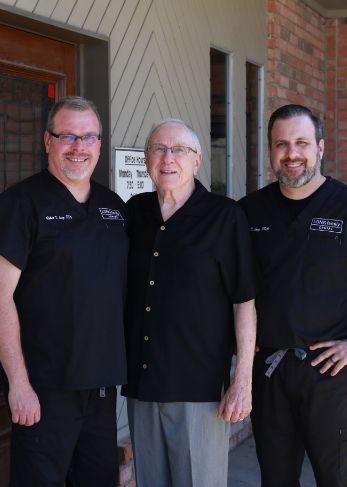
column 16, row 228
column 235, row 256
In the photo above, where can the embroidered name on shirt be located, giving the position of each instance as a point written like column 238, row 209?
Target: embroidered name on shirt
column 108, row 214
column 59, row 217
column 326, row 225
column 259, row 228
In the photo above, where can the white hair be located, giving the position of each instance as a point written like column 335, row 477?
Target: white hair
column 175, row 121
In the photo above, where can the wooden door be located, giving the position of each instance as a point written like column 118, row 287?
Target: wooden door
column 34, row 72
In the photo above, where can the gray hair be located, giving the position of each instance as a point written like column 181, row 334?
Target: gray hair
column 72, row 103
column 175, row 121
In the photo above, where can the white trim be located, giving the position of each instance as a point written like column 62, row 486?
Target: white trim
column 229, row 126
column 260, row 156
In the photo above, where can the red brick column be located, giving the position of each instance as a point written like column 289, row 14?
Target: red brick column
column 336, row 120
column 296, row 56
column 307, row 64
column 331, row 122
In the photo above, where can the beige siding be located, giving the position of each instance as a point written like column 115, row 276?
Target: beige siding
column 24, row 4
column 8, row 2
column 45, row 8
column 159, row 61
column 80, row 12
column 95, row 15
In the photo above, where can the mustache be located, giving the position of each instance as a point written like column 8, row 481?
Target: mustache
column 297, row 159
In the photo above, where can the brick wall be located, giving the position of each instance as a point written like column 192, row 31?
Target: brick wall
column 307, row 64
column 296, row 55
column 336, row 98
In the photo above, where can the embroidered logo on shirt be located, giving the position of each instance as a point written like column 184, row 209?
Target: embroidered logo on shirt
column 59, row 217
column 108, row 214
column 259, row 228
column 326, row 225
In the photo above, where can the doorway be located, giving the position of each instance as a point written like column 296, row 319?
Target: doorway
column 34, row 72
column 31, row 79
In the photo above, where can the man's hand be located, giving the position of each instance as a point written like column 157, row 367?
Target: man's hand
column 23, row 401
column 236, row 403
column 335, row 356
column 24, row 405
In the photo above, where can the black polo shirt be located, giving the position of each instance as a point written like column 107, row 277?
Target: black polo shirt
column 303, row 262
column 72, row 287
column 184, row 276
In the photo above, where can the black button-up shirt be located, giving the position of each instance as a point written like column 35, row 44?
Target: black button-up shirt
column 184, row 276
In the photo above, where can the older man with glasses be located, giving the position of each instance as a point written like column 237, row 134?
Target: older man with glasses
column 190, row 270
column 63, row 251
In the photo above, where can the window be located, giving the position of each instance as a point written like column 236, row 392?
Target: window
column 219, row 121
column 253, row 127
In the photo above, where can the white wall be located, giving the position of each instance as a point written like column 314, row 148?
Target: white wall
column 159, row 61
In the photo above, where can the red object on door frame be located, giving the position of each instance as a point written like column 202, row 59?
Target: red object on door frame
column 51, row 90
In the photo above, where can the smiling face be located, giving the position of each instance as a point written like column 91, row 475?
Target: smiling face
column 294, row 153
column 73, row 163
column 171, row 172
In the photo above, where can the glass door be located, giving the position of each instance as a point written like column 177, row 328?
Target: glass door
column 24, row 108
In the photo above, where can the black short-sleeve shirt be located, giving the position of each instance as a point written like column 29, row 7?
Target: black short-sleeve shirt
column 184, row 276
column 71, row 291
column 302, row 296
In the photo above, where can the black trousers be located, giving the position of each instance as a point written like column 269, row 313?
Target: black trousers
column 75, row 441
column 299, row 409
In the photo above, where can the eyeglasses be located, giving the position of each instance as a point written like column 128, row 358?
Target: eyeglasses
column 177, row 150
column 69, row 139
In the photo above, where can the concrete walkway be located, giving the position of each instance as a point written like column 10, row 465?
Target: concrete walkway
column 244, row 469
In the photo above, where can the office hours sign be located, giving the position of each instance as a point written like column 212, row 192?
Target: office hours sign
column 130, row 175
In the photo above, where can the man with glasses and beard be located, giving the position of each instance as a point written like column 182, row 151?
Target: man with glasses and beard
column 298, row 228
column 63, row 251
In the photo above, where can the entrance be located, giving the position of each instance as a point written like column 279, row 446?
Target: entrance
column 34, row 72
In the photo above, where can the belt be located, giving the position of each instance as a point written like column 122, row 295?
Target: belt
column 274, row 359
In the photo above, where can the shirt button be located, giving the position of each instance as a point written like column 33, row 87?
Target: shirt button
column 144, row 366
column 146, row 338
column 151, row 283
column 156, row 254
column 162, row 227
column 148, row 308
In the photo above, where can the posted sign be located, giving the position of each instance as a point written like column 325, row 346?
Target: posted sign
column 130, row 173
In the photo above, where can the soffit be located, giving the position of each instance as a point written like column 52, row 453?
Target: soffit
column 329, row 8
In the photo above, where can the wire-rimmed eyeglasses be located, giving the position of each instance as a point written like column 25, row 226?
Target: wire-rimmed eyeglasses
column 176, row 150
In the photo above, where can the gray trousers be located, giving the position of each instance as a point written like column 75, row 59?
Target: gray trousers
column 179, row 444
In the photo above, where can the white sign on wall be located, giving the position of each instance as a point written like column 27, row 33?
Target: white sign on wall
column 130, row 174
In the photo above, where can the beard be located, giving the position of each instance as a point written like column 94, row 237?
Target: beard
column 75, row 171
column 302, row 179
column 74, row 175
